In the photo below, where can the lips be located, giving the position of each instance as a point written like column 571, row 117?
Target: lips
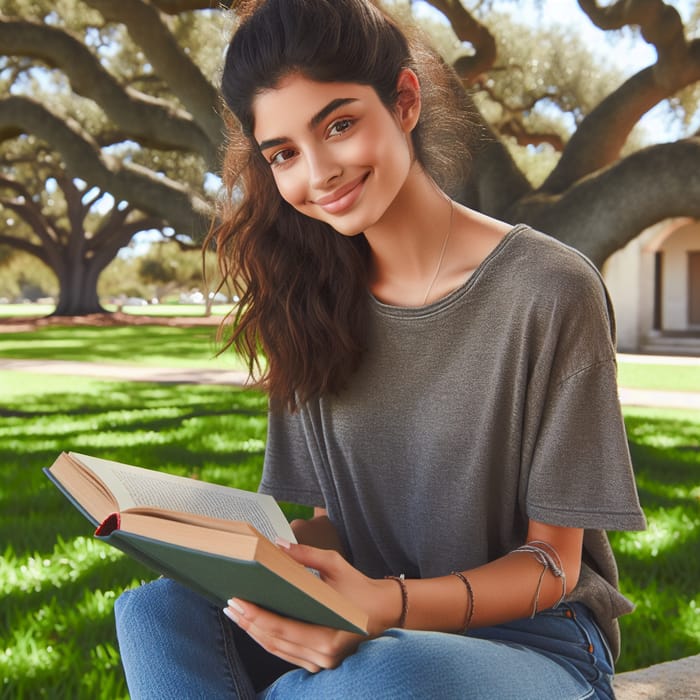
column 344, row 197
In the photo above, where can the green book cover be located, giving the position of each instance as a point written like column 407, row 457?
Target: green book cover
column 219, row 578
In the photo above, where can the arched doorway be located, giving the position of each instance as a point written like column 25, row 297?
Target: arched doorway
column 655, row 286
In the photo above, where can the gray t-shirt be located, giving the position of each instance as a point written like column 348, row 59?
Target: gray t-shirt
column 467, row 417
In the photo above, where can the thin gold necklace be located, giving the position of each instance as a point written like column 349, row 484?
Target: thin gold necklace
column 442, row 254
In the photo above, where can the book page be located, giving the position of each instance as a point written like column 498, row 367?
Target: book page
column 135, row 486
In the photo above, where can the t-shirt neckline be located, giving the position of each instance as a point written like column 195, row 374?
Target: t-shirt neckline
column 450, row 298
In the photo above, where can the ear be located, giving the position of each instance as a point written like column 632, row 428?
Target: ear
column 408, row 101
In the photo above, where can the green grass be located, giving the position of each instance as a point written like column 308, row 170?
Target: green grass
column 150, row 345
column 661, row 377
column 171, row 309
column 28, row 310
column 58, row 585
column 660, row 568
column 38, row 310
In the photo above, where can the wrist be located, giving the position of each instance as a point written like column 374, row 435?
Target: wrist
column 391, row 604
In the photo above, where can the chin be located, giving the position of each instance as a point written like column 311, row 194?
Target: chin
column 348, row 232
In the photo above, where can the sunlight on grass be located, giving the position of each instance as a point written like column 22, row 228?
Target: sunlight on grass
column 42, row 657
column 67, row 563
column 662, row 377
column 146, row 345
column 665, row 529
column 58, row 584
column 26, row 310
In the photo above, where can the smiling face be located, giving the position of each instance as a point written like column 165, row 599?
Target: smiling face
column 336, row 152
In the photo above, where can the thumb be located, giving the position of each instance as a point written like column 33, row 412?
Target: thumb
column 325, row 561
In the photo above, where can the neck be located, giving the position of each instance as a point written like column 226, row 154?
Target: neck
column 410, row 240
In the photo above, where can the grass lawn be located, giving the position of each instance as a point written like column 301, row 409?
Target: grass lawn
column 38, row 310
column 58, row 585
column 154, row 345
column 660, row 567
column 661, row 377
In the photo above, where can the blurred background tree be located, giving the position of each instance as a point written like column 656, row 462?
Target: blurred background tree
column 120, row 99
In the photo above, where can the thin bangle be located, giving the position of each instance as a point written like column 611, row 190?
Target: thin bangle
column 470, row 594
column 401, row 580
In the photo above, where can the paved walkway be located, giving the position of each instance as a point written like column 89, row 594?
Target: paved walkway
column 140, row 373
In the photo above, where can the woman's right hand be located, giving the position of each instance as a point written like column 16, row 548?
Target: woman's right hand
column 318, row 531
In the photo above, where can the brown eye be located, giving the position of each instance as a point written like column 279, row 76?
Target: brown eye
column 339, row 127
column 282, row 156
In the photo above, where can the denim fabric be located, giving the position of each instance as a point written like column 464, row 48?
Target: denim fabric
column 176, row 645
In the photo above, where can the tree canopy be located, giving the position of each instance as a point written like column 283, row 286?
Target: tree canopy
column 110, row 110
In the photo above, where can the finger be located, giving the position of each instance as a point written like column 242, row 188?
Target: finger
column 310, row 646
column 264, row 641
column 323, row 560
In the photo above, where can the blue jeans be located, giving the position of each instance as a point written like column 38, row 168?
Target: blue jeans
column 174, row 644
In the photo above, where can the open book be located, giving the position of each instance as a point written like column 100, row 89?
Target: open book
column 214, row 539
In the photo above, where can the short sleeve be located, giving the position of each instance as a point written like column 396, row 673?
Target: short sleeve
column 288, row 470
column 581, row 473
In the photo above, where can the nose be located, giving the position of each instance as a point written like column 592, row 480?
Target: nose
column 323, row 168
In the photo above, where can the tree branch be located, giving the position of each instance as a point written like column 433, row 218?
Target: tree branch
column 160, row 196
column 75, row 210
column 24, row 245
column 469, row 30
column 169, row 61
column 657, row 183
column 28, row 210
column 143, row 118
column 110, row 241
column 661, row 25
column 602, row 134
column 517, row 130
column 175, row 7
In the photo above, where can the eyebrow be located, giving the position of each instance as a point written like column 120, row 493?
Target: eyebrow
column 313, row 122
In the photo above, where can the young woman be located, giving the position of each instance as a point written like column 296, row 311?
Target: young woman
column 442, row 391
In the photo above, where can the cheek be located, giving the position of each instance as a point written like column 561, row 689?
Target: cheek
column 291, row 188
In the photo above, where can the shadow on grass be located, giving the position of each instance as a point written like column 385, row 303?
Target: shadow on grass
column 147, row 344
column 660, row 568
column 61, row 584
column 63, row 635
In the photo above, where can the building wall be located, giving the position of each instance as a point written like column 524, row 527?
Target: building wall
column 629, row 276
column 675, row 286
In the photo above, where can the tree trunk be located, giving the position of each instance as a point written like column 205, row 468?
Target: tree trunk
column 78, row 289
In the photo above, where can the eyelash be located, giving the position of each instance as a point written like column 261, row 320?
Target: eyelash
column 345, row 122
column 274, row 160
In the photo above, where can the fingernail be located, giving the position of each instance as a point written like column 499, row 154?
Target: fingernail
column 233, row 604
column 231, row 616
column 281, row 542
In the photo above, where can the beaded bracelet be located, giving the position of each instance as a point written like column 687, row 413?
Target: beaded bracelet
column 401, row 580
column 470, row 610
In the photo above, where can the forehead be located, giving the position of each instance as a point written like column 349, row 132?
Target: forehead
column 296, row 100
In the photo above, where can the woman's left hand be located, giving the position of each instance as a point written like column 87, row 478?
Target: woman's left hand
column 314, row 647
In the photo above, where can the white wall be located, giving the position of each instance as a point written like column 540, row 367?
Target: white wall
column 675, row 275
column 621, row 274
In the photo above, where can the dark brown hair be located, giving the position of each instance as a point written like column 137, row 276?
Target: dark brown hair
column 302, row 286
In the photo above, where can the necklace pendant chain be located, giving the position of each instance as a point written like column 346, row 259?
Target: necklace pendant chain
column 442, row 255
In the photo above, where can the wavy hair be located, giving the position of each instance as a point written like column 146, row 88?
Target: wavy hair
column 303, row 286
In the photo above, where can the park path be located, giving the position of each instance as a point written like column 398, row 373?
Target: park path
column 170, row 375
